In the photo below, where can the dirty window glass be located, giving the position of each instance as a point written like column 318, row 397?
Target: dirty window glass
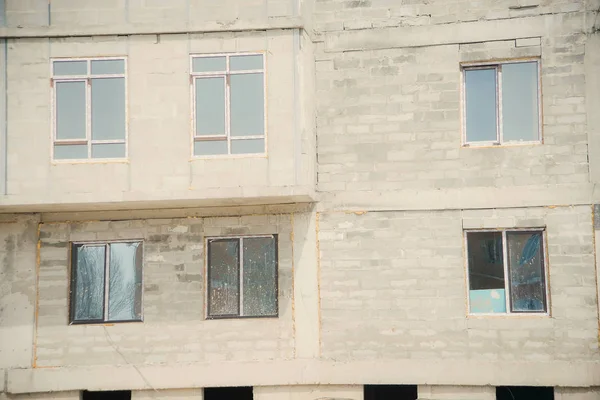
column 526, row 269
column 107, row 282
column 125, row 285
column 486, row 272
column 70, row 110
column 223, row 278
column 247, row 105
column 260, row 277
column 210, row 106
column 242, row 277
column 89, row 289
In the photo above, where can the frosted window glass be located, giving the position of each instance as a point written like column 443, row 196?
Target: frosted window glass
column 112, row 150
column 61, row 68
column 240, row 63
column 481, row 117
column 108, row 67
column 520, row 113
column 70, row 110
column 210, row 147
column 70, row 152
column 108, row 108
column 210, row 106
column 247, row 105
column 209, row 64
column 248, row 146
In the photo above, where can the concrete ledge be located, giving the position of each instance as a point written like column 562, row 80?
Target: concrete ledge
column 150, row 29
column 305, row 372
column 458, row 198
column 434, row 35
column 110, row 201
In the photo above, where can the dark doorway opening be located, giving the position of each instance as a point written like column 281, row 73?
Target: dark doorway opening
column 108, row 395
column 524, row 393
column 391, row 392
column 228, row 393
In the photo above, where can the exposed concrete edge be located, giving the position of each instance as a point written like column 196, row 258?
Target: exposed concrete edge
column 3, row 380
column 304, row 372
column 123, row 215
column 592, row 87
column 443, row 34
column 272, row 23
column 225, row 197
column 459, row 198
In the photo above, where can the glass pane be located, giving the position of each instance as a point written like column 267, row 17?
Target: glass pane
column 486, row 272
column 108, row 108
column 209, row 64
column 260, row 277
column 210, row 147
column 223, row 277
column 70, row 67
column 480, row 97
column 520, row 114
column 241, row 63
column 112, row 150
column 247, row 105
column 108, row 67
column 88, row 299
column 248, row 146
column 526, row 266
column 70, row 152
column 70, row 110
column 125, row 282
column 210, row 106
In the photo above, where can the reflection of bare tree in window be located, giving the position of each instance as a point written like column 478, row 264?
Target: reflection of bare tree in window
column 90, row 282
column 123, row 282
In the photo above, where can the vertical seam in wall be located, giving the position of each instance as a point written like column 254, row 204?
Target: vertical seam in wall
column 293, row 287
column 37, row 294
column 4, row 126
column 49, row 12
column 596, row 269
column 318, row 245
column 297, row 130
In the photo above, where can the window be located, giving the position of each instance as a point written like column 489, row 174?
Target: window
column 106, row 282
column 502, row 103
column 390, row 392
column 524, row 393
column 507, row 272
column 228, row 393
column 228, row 104
column 242, row 277
column 89, row 111
column 107, row 395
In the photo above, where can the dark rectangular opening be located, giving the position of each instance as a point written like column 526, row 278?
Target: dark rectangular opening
column 391, row 392
column 228, row 393
column 108, row 395
column 524, row 393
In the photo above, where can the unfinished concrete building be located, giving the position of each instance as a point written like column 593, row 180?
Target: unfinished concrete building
column 299, row 199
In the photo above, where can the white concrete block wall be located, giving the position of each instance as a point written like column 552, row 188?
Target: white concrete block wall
column 393, row 287
column 159, row 164
column 174, row 329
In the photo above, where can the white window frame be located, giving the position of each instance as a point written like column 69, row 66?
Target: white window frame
column 88, row 117
column 497, row 65
column 194, row 76
column 241, row 238
column 505, row 261
column 72, row 280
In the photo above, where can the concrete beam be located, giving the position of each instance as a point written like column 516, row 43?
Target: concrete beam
column 303, row 372
column 274, row 23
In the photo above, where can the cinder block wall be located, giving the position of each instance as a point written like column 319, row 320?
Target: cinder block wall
column 393, row 287
column 174, row 329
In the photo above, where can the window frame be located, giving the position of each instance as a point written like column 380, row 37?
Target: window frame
column 497, row 66
column 73, row 282
column 240, row 272
column 194, row 76
column 87, row 78
column 506, row 268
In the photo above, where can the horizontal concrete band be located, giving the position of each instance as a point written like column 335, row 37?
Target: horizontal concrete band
column 304, row 372
column 152, row 29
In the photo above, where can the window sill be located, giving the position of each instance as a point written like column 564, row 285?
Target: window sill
column 509, row 315
column 496, row 145
column 232, row 317
column 227, row 157
column 104, row 323
column 92, row 161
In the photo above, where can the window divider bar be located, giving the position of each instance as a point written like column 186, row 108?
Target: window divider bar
column 106, row 279
column 241, row 277
column 88, row 112
column 499, row 124
column 506, row 272
column 228, row 109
